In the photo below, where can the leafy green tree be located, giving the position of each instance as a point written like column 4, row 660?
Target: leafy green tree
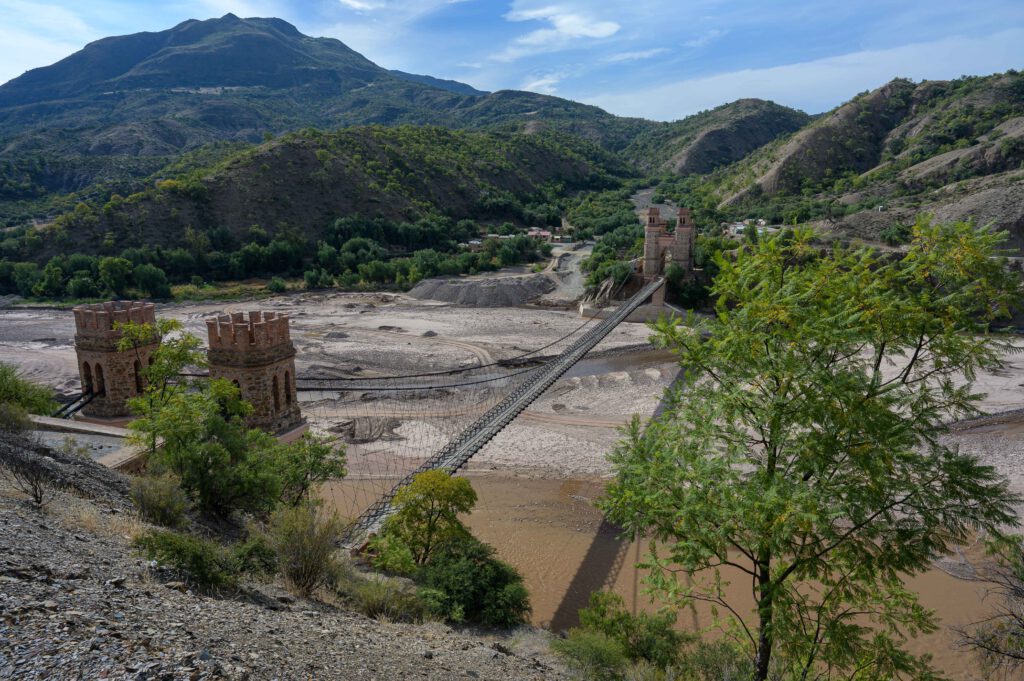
column 26, row 275
column 474, row 585
column 51, row 284
column 223, row 465
column 427, row 512
column 152, row 280
column 804, row 456
column 306, row 463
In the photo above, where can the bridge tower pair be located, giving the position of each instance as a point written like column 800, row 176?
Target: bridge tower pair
column 254, row 352
column 662, row 249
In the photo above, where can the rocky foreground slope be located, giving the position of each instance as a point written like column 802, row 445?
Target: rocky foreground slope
column 76, row 604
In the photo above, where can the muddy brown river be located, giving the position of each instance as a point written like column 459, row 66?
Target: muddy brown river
column 551, row 532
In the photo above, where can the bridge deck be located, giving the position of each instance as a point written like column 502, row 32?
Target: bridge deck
column 456, row 453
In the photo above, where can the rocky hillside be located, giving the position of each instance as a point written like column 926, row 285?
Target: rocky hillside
column 699, row 144
column 953, row 148
column 76, row 602
column 306, row 180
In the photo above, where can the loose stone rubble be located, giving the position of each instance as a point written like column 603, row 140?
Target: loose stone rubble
column 75, row 603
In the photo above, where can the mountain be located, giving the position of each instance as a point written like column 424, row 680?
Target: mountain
column 700, row 143
column 304, row 181
column 123, row 107
column 951, row 148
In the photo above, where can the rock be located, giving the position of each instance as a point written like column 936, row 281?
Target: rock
column 286, row 598
column 177, row 586
column 428, row 655
column 49, row 605
column 116, row 582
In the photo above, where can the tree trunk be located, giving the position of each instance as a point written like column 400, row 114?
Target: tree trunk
column 764, row 612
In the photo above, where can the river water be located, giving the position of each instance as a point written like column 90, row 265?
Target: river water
column 551, row 532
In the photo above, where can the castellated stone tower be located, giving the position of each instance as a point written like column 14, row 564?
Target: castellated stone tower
column 682, row 250
column 258, row 356
column 112, row 375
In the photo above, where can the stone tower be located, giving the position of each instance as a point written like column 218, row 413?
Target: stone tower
column 258, row 356
column 682, row 249
column 112, row 375
column 654, row 230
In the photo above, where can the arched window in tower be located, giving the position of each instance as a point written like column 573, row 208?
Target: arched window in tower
column 101, row 386
column 276, row 389
column 138, row 377
column 288, row 388
column 86, row 378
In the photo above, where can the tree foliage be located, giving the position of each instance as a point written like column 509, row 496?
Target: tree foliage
column 427, row 512
column 197, row 430
column 804, row 456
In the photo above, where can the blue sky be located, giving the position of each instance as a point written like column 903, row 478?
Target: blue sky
column 661, row 59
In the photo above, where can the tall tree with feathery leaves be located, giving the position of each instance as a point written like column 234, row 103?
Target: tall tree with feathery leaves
column 804, row 454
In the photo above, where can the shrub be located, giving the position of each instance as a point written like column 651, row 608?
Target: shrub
column 592, row 654
column 897, row 234
column 255, row 556
column 277, row 285
column 203, row 562
column 160, row 499
column 717, row 661
column 389, row 599
column 14, row 389
column 478, row 587
column 392, row 555
column 33, row 478
column 13, row 418
column 643, row 636
column 304, row 540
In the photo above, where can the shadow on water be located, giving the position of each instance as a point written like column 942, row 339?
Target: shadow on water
column 604, row 558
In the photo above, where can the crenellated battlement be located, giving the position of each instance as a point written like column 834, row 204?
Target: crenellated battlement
column 99, row 319
column 260, row 330
column 255, row 352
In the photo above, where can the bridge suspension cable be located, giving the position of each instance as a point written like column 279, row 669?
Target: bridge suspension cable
column 458, row 452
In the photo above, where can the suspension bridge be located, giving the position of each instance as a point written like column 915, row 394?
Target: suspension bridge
column 492, row 394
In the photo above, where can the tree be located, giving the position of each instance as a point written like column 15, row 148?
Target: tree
column 427, row 512
column 999, row 637
column 804, row 455
column 152, row 280
column 306, row 463
column 197, row 430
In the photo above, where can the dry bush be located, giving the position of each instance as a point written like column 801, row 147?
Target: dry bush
column 32, row 478
column 160, row 499
column 305, row 540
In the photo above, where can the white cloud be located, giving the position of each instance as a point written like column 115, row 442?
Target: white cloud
column 567, row 27
column 823, row 83
column 635, row 56
column 705, row 38
column 361, row 5
column 546, row 84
